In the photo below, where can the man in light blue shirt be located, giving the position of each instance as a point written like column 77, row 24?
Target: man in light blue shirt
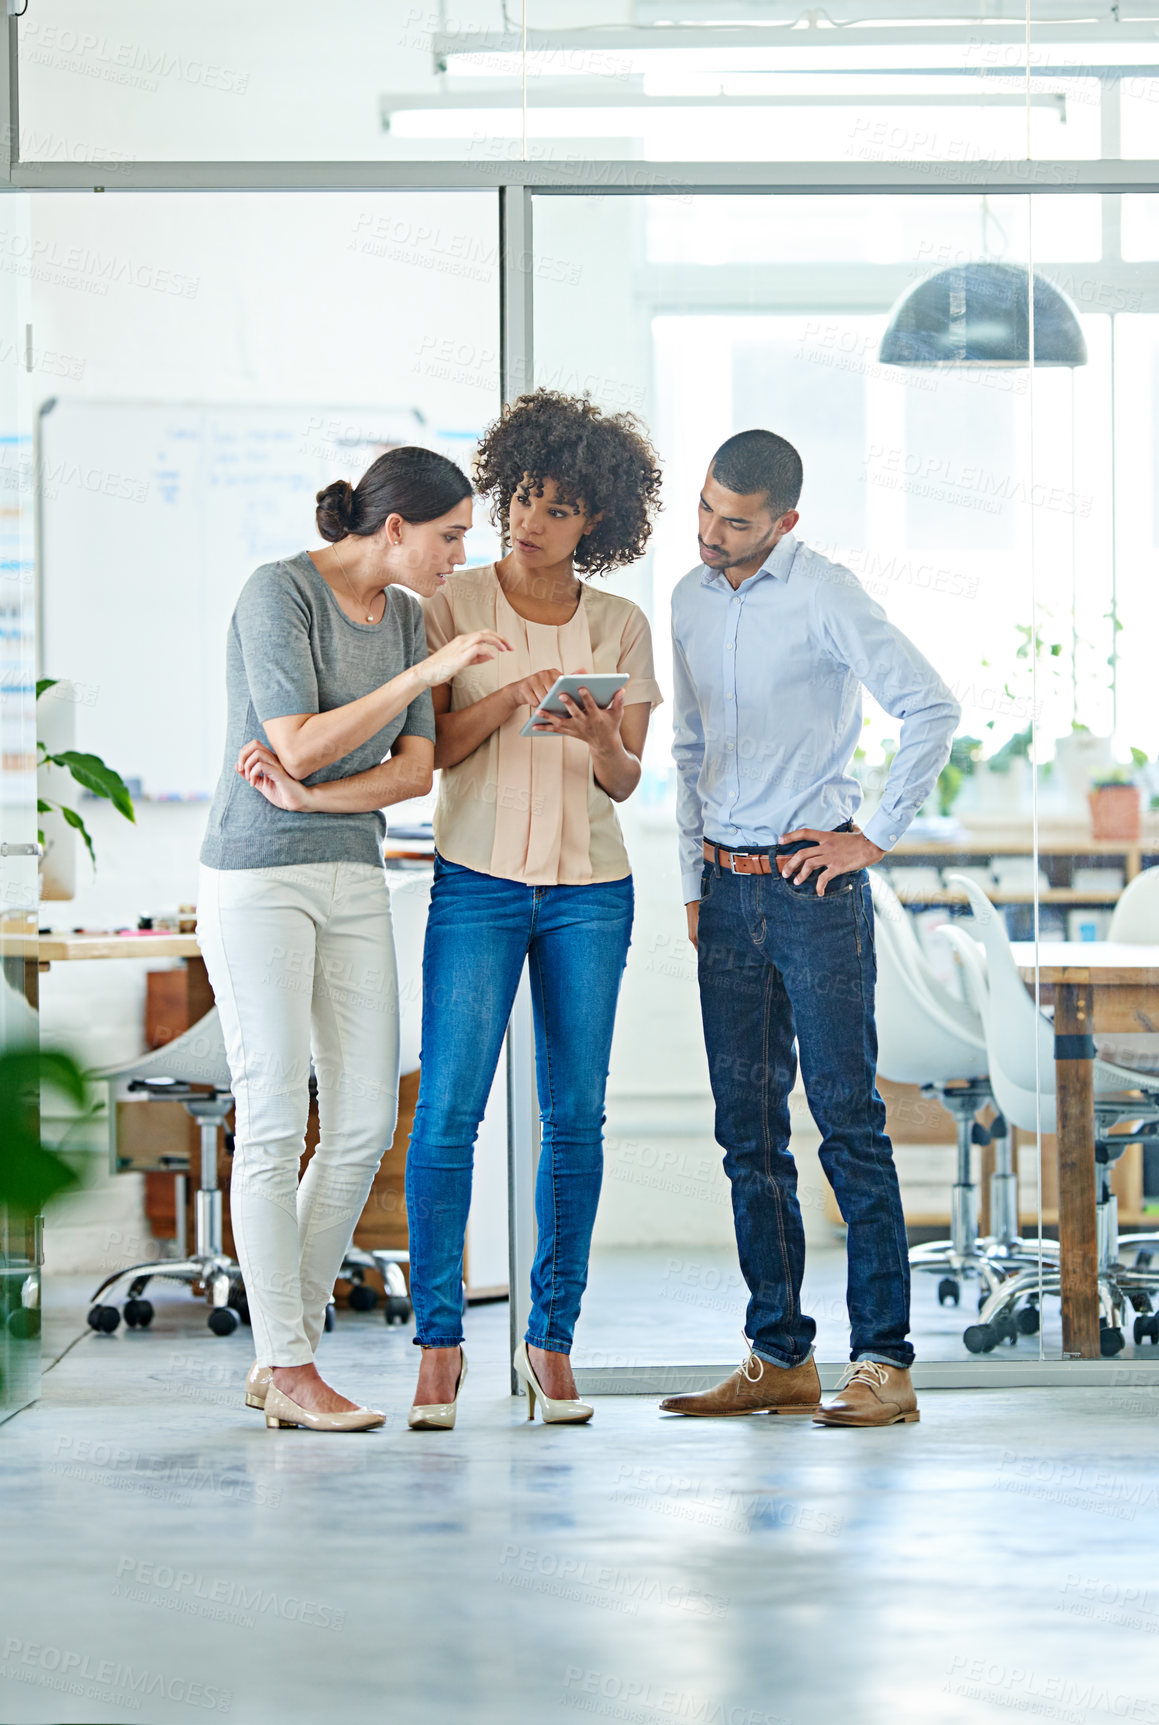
column 772, row 644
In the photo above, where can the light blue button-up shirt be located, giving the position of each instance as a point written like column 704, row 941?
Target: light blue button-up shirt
column 768, row 686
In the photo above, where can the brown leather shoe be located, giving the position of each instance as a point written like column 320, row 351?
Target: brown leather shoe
column 756, row 1387
column 870, row 1394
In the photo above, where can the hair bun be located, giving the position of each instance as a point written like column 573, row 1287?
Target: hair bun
column 335, row 512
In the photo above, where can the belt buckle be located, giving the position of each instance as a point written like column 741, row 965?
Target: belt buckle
column 733, row 859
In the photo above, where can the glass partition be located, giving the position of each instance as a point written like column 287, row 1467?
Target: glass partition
column 490, row 82
column 218, row 359
column 23, row 364
column 692, row 83
column 1001, row 513
column 707, row 315
column 266, row 82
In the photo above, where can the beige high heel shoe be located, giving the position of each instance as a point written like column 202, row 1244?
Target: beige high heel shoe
column 281, row 1411
column 552, row 1411
column 256, row 1384
column 438, row 1416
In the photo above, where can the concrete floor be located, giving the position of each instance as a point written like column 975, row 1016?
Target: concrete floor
column 166, row 1557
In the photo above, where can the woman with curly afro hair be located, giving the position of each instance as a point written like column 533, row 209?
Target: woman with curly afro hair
column 530, row 865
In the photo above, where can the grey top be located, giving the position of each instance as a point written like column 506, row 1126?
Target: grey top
column 292, row 649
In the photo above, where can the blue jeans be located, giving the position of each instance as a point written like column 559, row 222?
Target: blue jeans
column 479, row 931
column 779, row 965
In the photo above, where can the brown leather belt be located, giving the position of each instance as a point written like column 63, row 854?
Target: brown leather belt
column 738, row 862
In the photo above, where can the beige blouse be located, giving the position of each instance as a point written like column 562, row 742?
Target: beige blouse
column 529, row 809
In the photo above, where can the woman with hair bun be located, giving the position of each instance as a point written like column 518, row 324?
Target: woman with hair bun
column 530, row 866
column 329, row 722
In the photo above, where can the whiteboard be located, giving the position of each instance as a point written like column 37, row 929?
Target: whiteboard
column 152, row 516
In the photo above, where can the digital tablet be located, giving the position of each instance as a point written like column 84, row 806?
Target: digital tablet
column 601, row 685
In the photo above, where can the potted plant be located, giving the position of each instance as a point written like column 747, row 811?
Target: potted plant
column 1115, row 803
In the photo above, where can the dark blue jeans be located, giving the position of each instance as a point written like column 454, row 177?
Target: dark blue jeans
column 780, row 966
column 479, row 931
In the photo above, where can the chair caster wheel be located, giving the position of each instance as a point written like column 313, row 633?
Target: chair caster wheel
column 1027, row 1321
column 1003, row 1328
column 1147, row 1328
column 1110, row 1341
column 238, row 1303
column 328, row 1320
column 223, row 1320
column 981, row 1338
column 362, row 1297
column 138, row 1314
column 397, row 1310
column 104, row 1319
column 949, row 1290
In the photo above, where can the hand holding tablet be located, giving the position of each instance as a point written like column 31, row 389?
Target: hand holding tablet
column 601, row 686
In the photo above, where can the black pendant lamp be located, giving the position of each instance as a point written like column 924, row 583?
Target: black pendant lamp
column 978, row 314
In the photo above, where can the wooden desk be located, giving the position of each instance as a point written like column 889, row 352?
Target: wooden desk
column 1095, row 986
column 71, row 948
column 68, row 947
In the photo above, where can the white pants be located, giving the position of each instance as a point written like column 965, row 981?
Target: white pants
column 301, row 960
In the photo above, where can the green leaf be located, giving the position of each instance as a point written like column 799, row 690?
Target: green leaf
column 949, row 784
column 1139, row 757
column 43, row 683
column 30, row 1175
column 42, row 807
column 91, row 772
column 78, row 825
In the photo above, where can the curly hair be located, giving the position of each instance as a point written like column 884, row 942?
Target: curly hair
column 602, row 462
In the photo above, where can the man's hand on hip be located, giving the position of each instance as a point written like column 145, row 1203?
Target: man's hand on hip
column 829, row 855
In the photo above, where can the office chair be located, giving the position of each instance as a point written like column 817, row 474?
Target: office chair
column 928, row 1037
column 192, row 1070
column 1023, row 1083
column 1013, row 1249
column 1135, row 918
column 1135, row 921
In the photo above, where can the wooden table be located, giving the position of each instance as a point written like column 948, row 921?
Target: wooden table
column 67, row 948
column 1094, row 986
column 74, row 946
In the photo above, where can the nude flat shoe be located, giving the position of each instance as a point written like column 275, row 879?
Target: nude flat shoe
column 256, row 1385
column 552, row 1410
column 281, row 1411
column 438, row 1416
